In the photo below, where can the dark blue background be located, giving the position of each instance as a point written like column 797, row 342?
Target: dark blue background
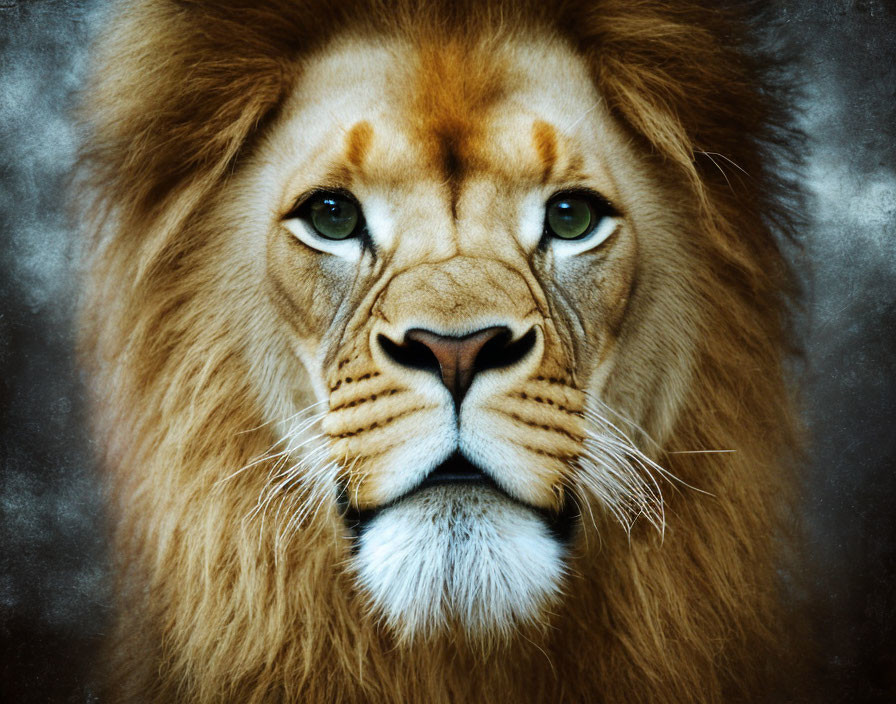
column 53, row 597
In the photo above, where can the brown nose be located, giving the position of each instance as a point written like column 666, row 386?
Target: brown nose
column 459, row 359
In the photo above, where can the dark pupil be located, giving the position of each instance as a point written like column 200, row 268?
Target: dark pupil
column 334, row 218
column 569, row 218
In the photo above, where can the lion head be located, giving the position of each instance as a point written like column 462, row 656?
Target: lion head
column 428, row 337
column 452, row 263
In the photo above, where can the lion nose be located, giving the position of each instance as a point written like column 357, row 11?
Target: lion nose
column 458, row 359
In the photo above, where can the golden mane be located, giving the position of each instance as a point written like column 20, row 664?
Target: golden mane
column 218, row 609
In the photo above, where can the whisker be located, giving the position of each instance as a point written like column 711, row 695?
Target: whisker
column 619, row 474
column 289, row 439
column 623, row 417
column 733, row 163
column 708, row 155
column 630, row 447
column 283, row 420
column 616, row 472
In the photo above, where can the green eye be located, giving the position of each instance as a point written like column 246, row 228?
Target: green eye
column 333, row 216
column 570, row 217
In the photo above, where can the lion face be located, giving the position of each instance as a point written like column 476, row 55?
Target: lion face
column 448, row 238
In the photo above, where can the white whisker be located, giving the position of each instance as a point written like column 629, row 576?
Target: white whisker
column 293, row 434
column 283, row 420
column 618, row 474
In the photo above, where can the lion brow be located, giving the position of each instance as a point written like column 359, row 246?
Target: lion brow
column 357, row 143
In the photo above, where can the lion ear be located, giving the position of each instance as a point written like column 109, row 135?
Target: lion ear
column 177, row 92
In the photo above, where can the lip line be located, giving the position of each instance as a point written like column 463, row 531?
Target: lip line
column 358, row 517
column 558, row 522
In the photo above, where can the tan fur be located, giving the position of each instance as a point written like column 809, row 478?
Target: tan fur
column 194, row 315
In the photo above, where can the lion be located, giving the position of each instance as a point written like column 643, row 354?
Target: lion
column 436, row 350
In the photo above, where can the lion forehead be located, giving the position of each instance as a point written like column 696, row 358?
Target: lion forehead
column 405, row 115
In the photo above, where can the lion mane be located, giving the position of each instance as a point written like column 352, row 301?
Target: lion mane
column 214, row 607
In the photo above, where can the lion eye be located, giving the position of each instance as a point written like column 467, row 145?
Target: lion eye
column 332, row 216
column 574, row 216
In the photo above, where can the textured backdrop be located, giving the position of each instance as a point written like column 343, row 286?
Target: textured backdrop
column 53, row 597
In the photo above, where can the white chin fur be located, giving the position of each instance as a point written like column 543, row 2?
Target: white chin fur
column 458, row 555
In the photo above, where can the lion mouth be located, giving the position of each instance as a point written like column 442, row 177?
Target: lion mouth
column 458, row 471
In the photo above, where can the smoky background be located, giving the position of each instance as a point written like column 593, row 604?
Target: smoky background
column 54, row 596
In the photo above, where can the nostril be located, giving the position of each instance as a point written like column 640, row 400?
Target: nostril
column 501, row 351
column 409, row 354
